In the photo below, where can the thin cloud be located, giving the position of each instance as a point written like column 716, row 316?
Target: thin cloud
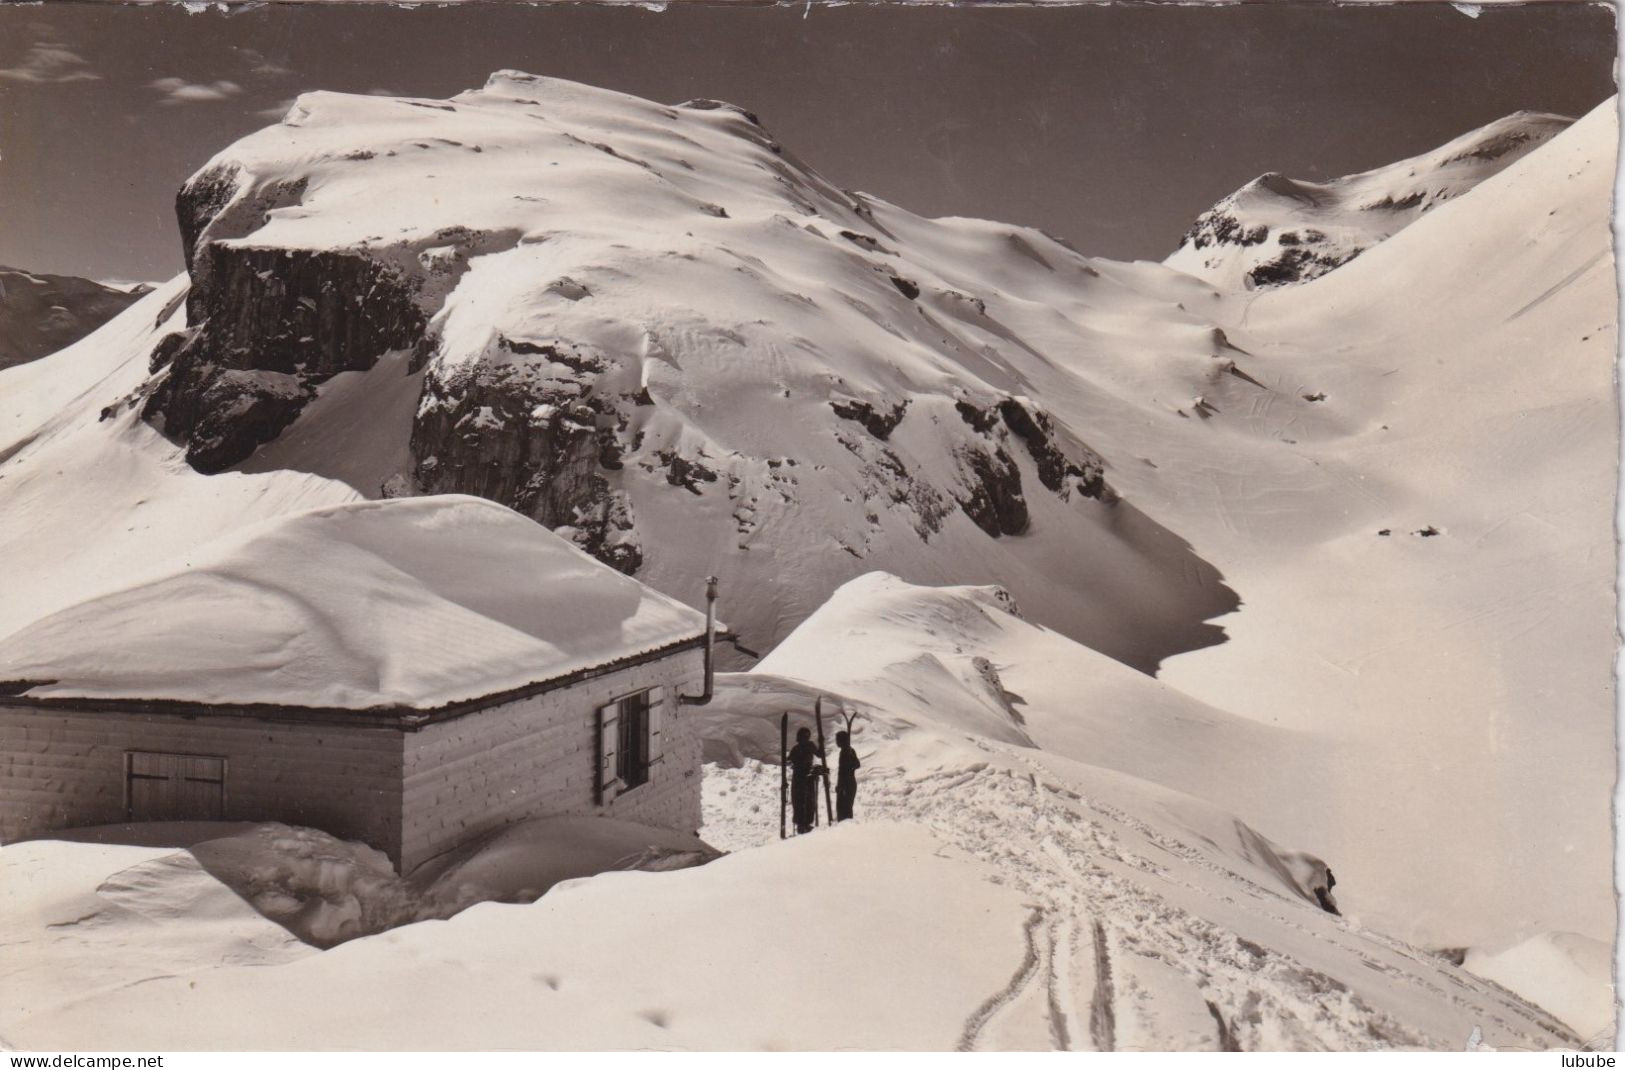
column 276, row 111
column 258, row 63
column 50, row 62
column 180, row 91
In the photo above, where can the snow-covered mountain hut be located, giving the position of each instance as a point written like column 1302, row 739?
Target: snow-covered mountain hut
column 409, row 673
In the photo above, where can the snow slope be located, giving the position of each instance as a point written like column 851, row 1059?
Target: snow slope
column 91, row 498
column 1088, row 909
column 410, row 602
column 964, row 657
column 1277, row 230
column 942, row 678
column 1463, row 678
column 1570, row 974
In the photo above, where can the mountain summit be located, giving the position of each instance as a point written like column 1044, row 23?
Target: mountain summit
column 1277, row 230
column 654, row 330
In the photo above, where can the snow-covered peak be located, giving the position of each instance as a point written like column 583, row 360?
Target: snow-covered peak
column 510, row 163
column 1277, row 230
column 419, row 603
column 653, row 330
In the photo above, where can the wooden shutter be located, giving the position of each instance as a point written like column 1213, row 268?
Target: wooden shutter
column 657, row 709
column 175, row 787
column 609, row 741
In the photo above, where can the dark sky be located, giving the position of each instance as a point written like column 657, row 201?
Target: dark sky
column 1109, row 125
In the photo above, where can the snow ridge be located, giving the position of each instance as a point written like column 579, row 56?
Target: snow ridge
column 1276, row 230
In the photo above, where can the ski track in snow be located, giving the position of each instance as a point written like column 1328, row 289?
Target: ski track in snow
column 1102, row 1023
column 1018, row 986
column 1077, row 859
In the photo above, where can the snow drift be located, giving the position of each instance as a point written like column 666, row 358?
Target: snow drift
column 417, row 603
column 327, row 891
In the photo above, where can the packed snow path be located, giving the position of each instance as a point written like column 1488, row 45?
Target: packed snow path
column 1138, row 940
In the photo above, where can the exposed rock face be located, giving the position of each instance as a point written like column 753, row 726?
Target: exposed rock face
column 40, row 314
column 992, row 495
column 312, row 313
column 1297, row 264
column 880, row 422
column 268, row 326
column 1055, row 469
column 1218, row 226
column 223, row 414
column 538, row 445
column 996, row 479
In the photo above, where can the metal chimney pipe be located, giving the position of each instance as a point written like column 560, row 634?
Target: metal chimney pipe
column 710, row 645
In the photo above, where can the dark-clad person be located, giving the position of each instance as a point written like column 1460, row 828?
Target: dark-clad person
column 846, row 778
column 804, row 770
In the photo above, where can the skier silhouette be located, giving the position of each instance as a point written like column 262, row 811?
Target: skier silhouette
column 804, row 770
column 846, row 778
column 1323, row 895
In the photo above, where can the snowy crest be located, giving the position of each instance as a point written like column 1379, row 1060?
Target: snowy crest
column 1277, row 230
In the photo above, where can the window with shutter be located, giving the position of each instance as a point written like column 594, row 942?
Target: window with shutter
column 628, row 742
column 657, row 709
column 609, row 747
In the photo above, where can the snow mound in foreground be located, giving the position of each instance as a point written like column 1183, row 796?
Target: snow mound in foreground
column 1570, row 975
column 327, row 891
column 407, row 602
column 79, row 921
column 772, row 949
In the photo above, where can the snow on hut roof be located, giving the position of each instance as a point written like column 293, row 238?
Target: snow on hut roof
column 415, row 602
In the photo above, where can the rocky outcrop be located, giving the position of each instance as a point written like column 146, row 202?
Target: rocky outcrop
column 1297, row 264
column 992, row 495
column 537, row 443
column 1056, row 470
column 880, row 421
column 1217, row 226
column 1061, row 470
column 308, row 312
column 224, row 414
column 268, row 325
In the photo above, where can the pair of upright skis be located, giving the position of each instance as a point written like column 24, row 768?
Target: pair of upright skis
column 784, row 765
